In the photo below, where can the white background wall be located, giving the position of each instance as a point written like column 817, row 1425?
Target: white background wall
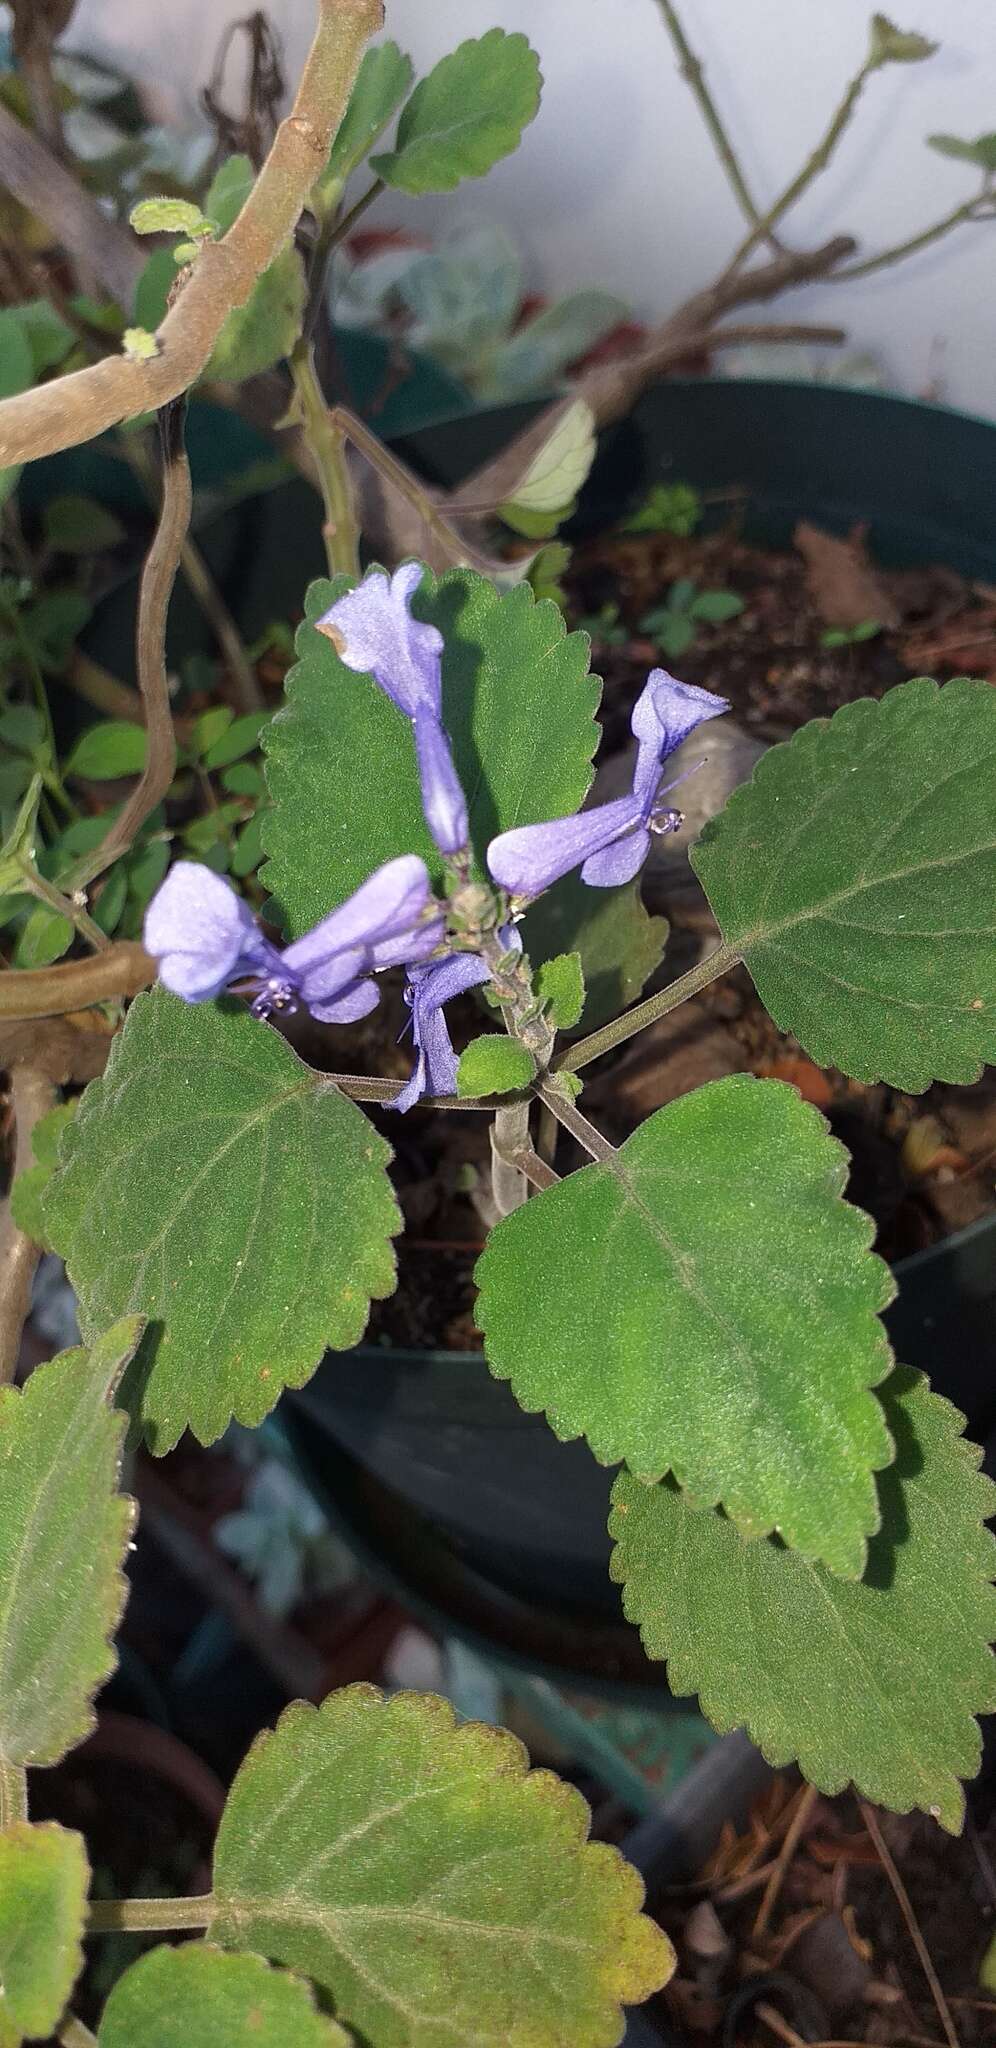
column 616, row 183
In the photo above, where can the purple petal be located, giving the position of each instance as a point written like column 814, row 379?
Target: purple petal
column 436, row 1068
column 619, row 862
column 528, row 859
column 413, row 1089
column 202, row 934
column 387, row 905
column 376, row 635
column 664, row 714
column 410, row 948
column 357, row 999
column 443, row 799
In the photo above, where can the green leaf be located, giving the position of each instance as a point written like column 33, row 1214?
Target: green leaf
column 44, row 1879
column 243, row 779
column 667, row 508
column 17, row 854
column 705, row 1303
column 556, row 474
column 468, row 112
column 982, row 151
column 153, row 288
column 228, row 191
column 539, row 351
column 248, row 849
column 199, row 1997
column 264, row 330
column 434, row 1887
column 80, row 526
column 49, row 336
column 244, row 1208
column 619, row 944
column 64, row 1528
column 715, row 606
column 875, row 1681
column 109, row 907
column 23, row 727
column 518, row 704
column 560, row 983
column 30, row 1185
column 146, row 868
column 169, row 216
column 210, row 728
column 239, row 738
column 17, row 369
column 856, row 876
column 891, row 45
column 383, row 80
column 102, row 753
column 44, row 936
column 494, row 1065
column 53, row 625
column 674, row 633
column 15, row 779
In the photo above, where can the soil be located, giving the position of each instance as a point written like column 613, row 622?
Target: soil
column 784, row 1940
column 923, row 1166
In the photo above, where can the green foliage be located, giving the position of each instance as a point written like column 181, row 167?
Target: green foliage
column 63, row 1531
column 856, row 876
column 875, row 1681
column 494, row 1065
column 534, row 357
column 618, row 943
column 850, row 636
column 554, row 477
column 244, row 1207
column 17, row 373
column 238, row 737
column 383, row 80
column 44, row 1877
column 705, row 1303
column 169, row 216
column 432, row 1886
column 18, row 849
column 44, row 936
column 667, row 508
column 673, row 623
column 891, row 45
column 30, row 1185
column 518, row 703
column 981, row 152
column 139, row 345
column 49, row 336
column 560, row 984
column 467, row 113
column 80, row 526
column 114, row 747
column 264, row 330
column 153, row 288
column 199, row 1997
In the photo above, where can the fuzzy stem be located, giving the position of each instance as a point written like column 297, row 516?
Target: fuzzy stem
column 121, row 971
column 509, row 1140
column 65, row 906
column 586, row 1134
column 148, row 1916
column 645, row 1013
column 691, row 70
column 327, row 443
column 32, row 1096
column 73, row 2034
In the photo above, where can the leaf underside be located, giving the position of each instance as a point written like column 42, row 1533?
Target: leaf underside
column 705, row 1303
column 856, row 876
column 875, row 1682
column 434, row 1888
column 518, row 703
column 231, row 1194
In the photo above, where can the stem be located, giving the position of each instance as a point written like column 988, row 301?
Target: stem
column 645, row 1013
column 967, row 211
column 156, row 589
column 13, row 1794
column 53, row 991
column 814, row 164
column 32, row 1096
column 509, row 1142
column 327, row 442
column 73, row 2034
column 691, row 70
column 407, row 485
column 148, row 1916
column 78, row 916
column 332, row 231
column 565, row 1112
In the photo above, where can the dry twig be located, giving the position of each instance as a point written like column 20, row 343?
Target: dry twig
column 871, row 1821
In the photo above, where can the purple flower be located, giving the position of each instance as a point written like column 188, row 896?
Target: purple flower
column 435, row 1070
column 611, row 842
column 204, row 938
column 375, row 634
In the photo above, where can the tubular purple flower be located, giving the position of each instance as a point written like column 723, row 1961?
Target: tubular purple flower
column 435, row 1070
column 374, row 631
column 611, row 842
column 204, row 939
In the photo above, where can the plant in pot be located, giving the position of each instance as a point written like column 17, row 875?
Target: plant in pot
column 795, row 1512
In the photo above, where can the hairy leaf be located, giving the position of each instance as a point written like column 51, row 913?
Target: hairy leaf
column 382, row 82
column 876, row 1681
column 63, row 1531
column 434, row 1887
column 704, row 1303
column 560, row 984
column 264, row 330
column 29, row 1187
column 199, row 1997
column 231, row 1194
column 44, row 1877
column 494, row 1065
column 618, row 942
column 468, row 112
column 519, row 705
column 856, row 875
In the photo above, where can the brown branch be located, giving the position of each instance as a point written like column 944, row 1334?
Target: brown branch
column 32, row 1096
column 89, row 236
column 76, row 984
column 76, row 408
